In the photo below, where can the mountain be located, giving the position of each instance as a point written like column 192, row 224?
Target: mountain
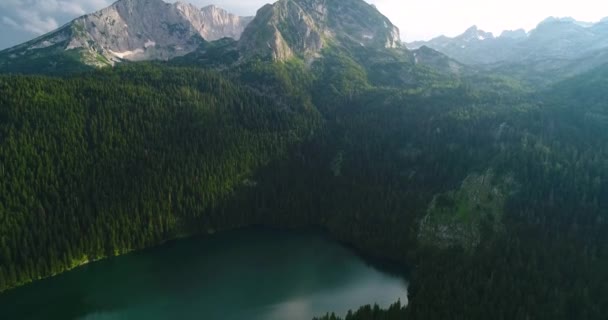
column 472, row 37
column 438, row 61
column 303, row 28
column 493, row 191
column 473, row 47
column 514, row 34
column 130, row 30
column 217, row 23
column 351, row 34
column 143, row 30
column 553, row 49
column 489, row 194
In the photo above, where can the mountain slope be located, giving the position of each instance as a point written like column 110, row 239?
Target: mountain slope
column 104, row 163
column 498, row 197
column 303, row 28
column 131, row 30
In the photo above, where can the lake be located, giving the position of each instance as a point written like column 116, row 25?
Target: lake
column 253, row 273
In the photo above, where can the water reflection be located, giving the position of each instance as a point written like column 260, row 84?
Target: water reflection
column 246, row 274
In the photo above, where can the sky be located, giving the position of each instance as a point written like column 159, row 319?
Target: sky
column 22, row 20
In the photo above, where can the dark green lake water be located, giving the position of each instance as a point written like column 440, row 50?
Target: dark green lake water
column 245, row 274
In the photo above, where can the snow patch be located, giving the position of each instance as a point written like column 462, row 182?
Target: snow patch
column 368, row 36
column 149, row 43
column 463, row 46
column 125, row 54
column 481, row 37
column 42, row 45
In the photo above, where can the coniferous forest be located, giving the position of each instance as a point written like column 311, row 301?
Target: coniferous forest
column 106, row 162
column 489, row 191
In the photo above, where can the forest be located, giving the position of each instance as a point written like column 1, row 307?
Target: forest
column 110, row 161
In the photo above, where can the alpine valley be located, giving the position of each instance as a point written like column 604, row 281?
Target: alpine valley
column 477, row 164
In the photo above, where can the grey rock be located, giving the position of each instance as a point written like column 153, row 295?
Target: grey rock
column 138, row 30
column 303, row 28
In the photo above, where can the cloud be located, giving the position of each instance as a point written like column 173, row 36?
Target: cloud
column 33, row 22
column 71, row 8
column 10, row 22
column 36, row 17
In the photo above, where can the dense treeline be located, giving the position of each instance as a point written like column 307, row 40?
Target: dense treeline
column 116, row 160
column 395, row 311
column 385, row 155
column 550, row 260
column 113, row 161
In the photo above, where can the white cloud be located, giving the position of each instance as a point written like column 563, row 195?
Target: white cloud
column 71, row 7
column 10, row 22
column 36, row 17
column 9, row 3
column 33, row 22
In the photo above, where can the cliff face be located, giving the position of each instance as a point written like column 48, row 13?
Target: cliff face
column 304, row 27
column 137, row 30
column 152, row 29
column 218, row 23
column 134, row 30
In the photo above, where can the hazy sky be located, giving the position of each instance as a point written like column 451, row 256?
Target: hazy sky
column 21, row 20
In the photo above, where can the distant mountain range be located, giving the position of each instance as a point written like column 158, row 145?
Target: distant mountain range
column 557, row 46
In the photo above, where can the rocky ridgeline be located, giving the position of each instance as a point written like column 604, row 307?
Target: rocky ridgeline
column 305, row 27
column 136, row 30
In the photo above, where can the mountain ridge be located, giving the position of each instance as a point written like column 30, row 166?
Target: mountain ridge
column 131, row 30
column 144, row 30
column 290, row 28
column 551, row 51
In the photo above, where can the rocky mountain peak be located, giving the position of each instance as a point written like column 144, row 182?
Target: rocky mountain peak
column 303, row 28
column 514, row 34
column 564, row 21
column 219, row 23
column 136, row 3
column 214, row 9
column 471, row 30
column 135, row 30
column 552, row 19
column 474, row 33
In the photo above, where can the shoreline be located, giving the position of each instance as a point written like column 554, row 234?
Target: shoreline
column 384, row 264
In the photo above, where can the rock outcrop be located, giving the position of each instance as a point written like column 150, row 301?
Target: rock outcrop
column 135, row 30
column 304, row 27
